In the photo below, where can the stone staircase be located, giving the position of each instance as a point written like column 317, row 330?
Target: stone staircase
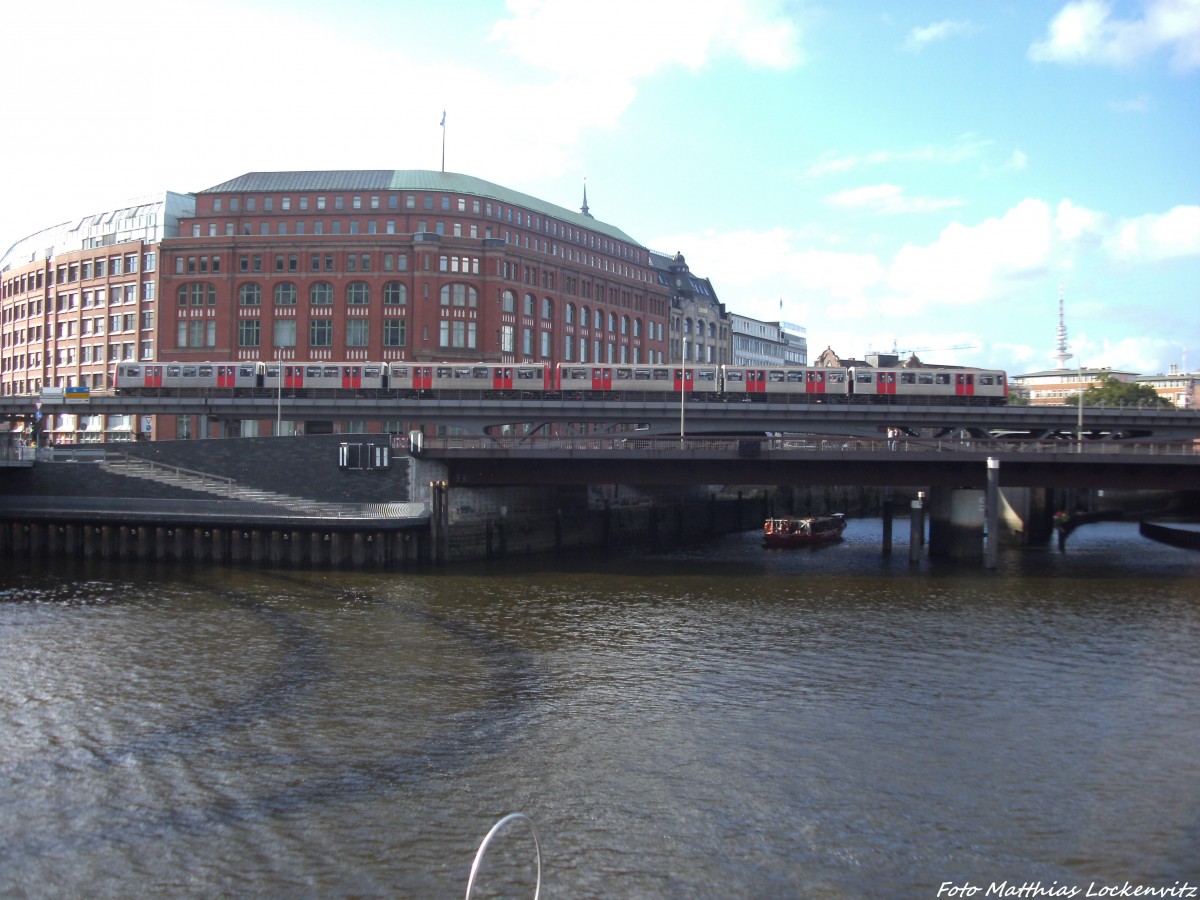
column 228, row 489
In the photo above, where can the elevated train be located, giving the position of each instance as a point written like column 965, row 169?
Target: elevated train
column 794, row 384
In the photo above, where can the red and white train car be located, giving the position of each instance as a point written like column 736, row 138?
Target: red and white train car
column 784, row 381
column 324, row 376
column 498, row 377
column 596, row 380
column 937, row 385
column 134, row 377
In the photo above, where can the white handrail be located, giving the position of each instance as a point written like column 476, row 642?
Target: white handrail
column 511, row 817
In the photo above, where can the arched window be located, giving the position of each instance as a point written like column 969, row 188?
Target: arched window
column 712, row 329
column 687, row 326
column 197, row 294
column 250, row 294
column 624, row 324
column 612, row 322
column 570, row 314
column 285, row 294
column 599, row 323
column 547, row 308
column 584, row 318
column 508, row 302
column 527, row 305
column 459, row 295
column 699, row 328
column 358, row 293
column 637, row 328
column 395, row 294
column 321, row 294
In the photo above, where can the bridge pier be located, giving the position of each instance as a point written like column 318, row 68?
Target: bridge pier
column 956, row 518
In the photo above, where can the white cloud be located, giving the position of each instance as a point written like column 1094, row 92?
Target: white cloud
column 641, row 38
column 1086, row 32
column 1150, row 238
column 966, row 262
column 966, row 147
column 919, row 38
column 887, row 200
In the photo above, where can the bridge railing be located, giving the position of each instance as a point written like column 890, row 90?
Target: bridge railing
column 773, row 445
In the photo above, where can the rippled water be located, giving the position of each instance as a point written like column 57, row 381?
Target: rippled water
column 715, row 722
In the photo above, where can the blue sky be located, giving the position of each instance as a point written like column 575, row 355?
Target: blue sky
column 924, row 175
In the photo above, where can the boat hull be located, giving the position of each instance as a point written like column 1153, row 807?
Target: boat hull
column 806, row 531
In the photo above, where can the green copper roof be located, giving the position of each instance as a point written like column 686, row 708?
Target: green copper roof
column 409, row 180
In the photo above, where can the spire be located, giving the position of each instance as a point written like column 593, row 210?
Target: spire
column 1062, row 355
column 584, row 209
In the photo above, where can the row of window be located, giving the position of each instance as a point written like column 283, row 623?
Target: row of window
column 519, row 217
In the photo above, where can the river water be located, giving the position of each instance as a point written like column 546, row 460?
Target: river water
column 719, row 721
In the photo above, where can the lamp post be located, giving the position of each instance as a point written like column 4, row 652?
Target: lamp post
column 682, row 388
column 278, row 390
column 1079, row 423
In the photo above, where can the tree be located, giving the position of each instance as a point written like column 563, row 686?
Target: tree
column 1111, row 392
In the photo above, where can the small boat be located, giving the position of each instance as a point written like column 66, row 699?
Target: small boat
column 803, row 531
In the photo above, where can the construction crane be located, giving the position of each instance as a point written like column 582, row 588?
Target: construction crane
column 897, row 352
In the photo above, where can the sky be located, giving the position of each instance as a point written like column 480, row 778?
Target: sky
column 924, row 176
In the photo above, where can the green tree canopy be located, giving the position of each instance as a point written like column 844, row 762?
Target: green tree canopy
column 1111, row 392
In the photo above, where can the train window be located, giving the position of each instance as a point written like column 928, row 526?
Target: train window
column 864, row 378
column 624, row 374
column 908, row 377
column 706, row 375
column 444, row 372
column 399, row 371
column 246, row 371
column 925, row 378
column 987, row 379
column 776, row 377
column 837, row 378
column 527, row 374
column 189, row 371
column 480, row 372
column 370, row 371
column 329, row 372
column 173, row 371
column 730, row 375
column 206, row 371
column 795, row 377
column 641, row 374
column 578, row 373
column 942, row 377
column 132, row 371
column 462, row 373
column 661, row 374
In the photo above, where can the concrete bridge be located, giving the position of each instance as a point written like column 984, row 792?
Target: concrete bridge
column 478, row 414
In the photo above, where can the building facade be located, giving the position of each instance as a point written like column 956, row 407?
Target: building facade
column 700, row 325
column 1182, row 389
column 376, row 265
column 1054, row 387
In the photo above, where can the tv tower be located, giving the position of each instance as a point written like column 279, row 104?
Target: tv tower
column 1062, row 355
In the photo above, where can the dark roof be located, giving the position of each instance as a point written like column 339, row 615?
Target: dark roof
column 408, row 180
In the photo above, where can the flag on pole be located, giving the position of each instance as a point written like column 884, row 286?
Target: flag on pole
column 443, row 118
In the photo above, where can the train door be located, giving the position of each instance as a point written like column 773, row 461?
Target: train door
column 688, row 382
column 293, row 376
column 226, row 376
column 422, row 377
column 153, row 376
column 885, row 383
column 502, row 378
column 814, row 382
column 601, row 378
column 756, row 381
column 351, row 376
column 964, row 384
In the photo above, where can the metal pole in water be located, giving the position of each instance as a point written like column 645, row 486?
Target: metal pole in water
column 992, row 548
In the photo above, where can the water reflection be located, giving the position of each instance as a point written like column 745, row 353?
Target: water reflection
column 717, row 721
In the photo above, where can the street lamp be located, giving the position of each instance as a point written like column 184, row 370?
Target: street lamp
column 278, row 390
column 1079, row 424
column 682, row 387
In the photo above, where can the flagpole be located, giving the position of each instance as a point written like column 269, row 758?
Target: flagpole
column 443, row 142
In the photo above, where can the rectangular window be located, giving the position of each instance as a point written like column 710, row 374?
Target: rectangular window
column 284, row 332
column 248, row 332
column 394, row 332
column 320, row 333
column 357, row 334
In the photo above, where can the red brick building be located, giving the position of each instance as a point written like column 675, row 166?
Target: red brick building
column 402, row 265
column 376, row 266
